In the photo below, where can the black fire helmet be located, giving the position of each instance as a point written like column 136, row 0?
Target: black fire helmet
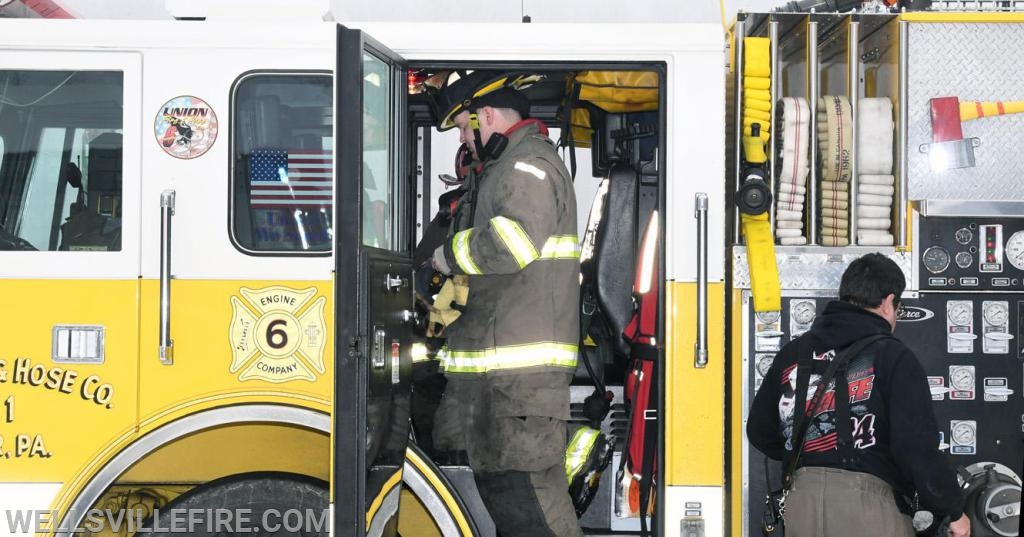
column 483, row 88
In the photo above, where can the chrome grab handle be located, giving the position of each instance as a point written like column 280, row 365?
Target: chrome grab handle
column 902, row 181
column 701, row 345
column 393, row 283
column 166, row 212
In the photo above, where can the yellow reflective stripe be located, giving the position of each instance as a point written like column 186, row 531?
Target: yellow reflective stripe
column 511, row 357
column 442, row 357
column 419, row 353
column 578, row 450
column 460, row 246
column 515, row 239
column 561, row 247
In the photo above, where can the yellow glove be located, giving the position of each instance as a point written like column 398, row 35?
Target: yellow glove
column 448, row 304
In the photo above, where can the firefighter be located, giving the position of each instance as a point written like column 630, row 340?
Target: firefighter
column 511, row 355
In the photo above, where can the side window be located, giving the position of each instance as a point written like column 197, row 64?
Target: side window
column 282, row 163
column 60, row 160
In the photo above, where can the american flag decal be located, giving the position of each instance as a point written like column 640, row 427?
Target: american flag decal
column 283, row 179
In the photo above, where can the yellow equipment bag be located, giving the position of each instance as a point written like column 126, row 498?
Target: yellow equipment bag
column 619, row 91
column 608, row 91
column 582, row 131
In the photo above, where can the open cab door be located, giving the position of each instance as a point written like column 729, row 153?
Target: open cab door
column 374, row 287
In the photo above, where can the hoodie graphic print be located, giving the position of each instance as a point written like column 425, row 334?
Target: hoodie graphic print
column 821, row 432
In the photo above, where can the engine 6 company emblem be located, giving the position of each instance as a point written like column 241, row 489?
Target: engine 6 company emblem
column 186, row 127
column 277, row 335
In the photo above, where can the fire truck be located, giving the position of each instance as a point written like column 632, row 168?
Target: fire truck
column 207, row 238
column 208, row 291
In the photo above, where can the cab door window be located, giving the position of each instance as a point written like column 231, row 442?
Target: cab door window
column 61, row 160
column 282, row 163
column 379, row 175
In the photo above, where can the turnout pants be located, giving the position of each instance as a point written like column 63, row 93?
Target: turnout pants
column 518, row 461
column 840, row 503
column 529, row 504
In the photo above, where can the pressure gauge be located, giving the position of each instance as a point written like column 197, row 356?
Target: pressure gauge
column 959, row 313
column 963, row 236
column 1015, row 250
column 804, row 312
column 996, row 313
column 961, row 379
column 767, row 317
column 963, row 434
column 936, row 259
column 964, row 259
column 764, row 362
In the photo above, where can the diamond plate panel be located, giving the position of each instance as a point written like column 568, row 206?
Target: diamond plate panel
column 802, row 270
column 974, row 62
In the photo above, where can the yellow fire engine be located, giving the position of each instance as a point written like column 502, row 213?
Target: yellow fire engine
column 207, row 232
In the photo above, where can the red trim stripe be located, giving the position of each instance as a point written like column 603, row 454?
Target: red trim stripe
column 47, row 9
column 796, row 142
column 839, row 126
column 978, row 107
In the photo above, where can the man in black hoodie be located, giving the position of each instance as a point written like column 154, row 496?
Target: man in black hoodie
column 846, row 488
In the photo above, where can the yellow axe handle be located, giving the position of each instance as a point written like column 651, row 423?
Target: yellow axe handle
column 978, row 109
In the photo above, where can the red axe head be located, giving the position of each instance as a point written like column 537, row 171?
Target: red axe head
column 946, row 119
column 948, row 149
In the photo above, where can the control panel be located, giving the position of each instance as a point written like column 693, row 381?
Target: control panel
column 964, row 253
column 971, row 347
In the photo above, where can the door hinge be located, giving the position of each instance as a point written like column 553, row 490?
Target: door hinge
column 353, row 346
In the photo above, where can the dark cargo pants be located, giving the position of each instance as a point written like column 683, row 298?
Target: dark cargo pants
column 839, row 503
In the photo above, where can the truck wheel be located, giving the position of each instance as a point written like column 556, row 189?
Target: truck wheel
column 260, row 504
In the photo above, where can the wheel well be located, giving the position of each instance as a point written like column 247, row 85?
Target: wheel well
column 259, row 499
column 214, row 443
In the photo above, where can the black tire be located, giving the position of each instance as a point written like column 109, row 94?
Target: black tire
column 296, row 504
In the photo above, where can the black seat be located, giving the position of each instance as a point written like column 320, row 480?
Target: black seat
column 624, row 145
column 608, row 268
column 104, row 175
column 96, row 226
column 614, row 258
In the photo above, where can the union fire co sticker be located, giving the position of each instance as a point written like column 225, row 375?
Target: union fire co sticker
column 186, row 127
column 277, row 335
